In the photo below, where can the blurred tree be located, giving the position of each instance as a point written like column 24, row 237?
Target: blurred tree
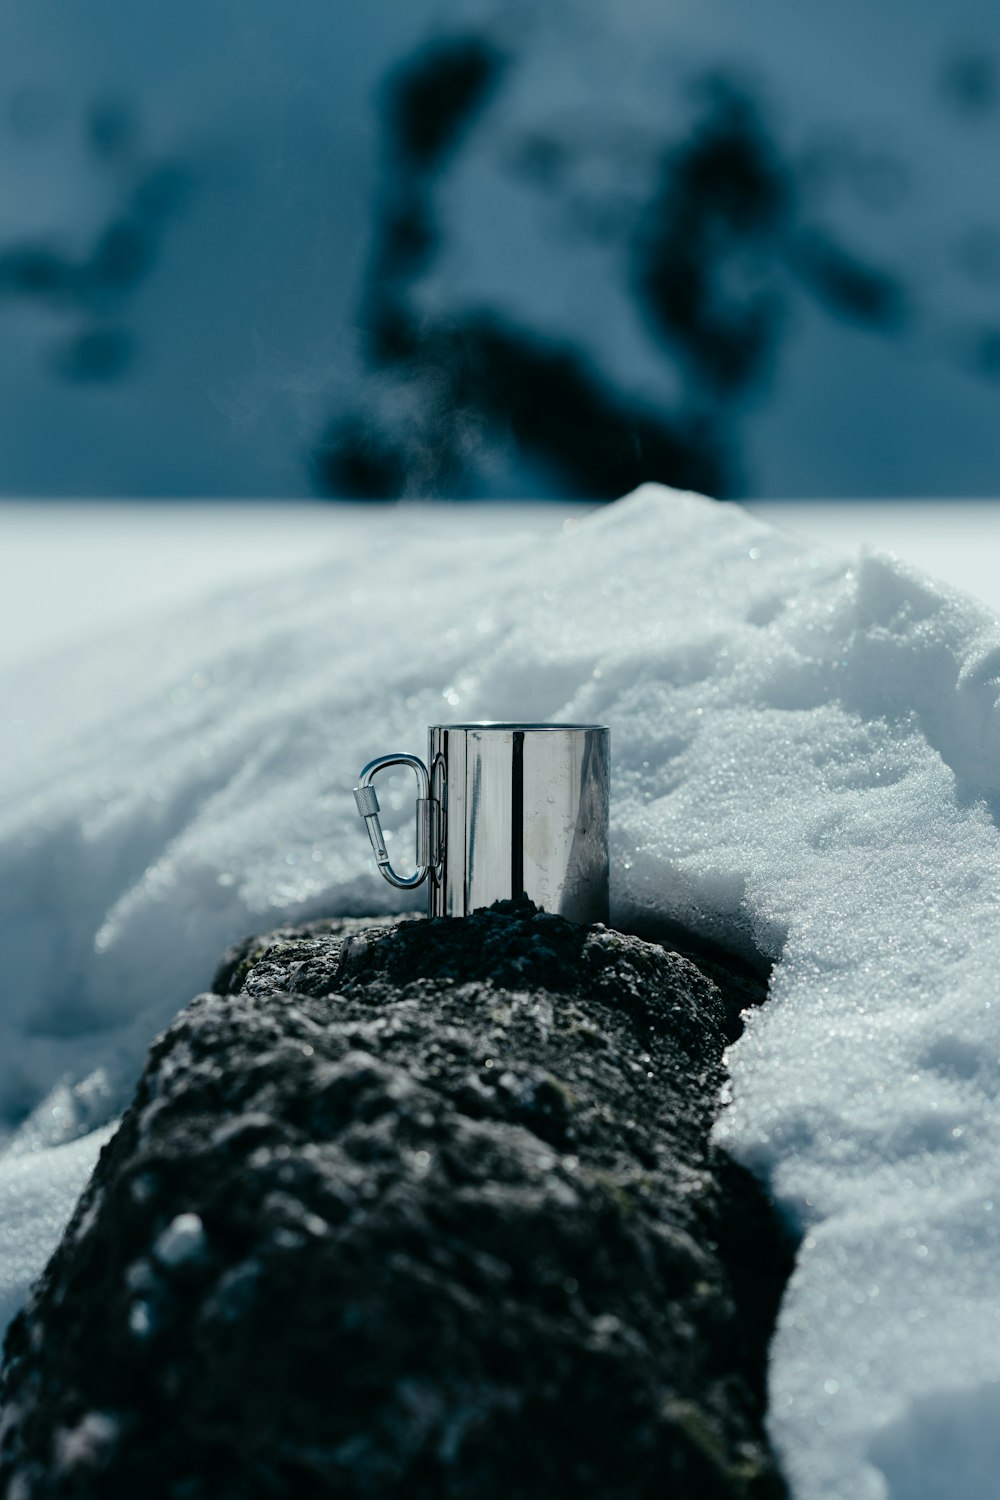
column 89, row 289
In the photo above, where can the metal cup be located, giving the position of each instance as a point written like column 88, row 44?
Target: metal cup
column 505, row 811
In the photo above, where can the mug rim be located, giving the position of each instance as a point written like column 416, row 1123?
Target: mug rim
column 502, row 724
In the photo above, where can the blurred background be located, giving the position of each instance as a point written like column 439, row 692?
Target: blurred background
column 468, row 250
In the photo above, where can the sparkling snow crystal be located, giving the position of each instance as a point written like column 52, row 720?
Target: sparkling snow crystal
column 806, row 763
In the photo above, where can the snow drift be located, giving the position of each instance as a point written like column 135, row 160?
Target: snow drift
column 805, row 764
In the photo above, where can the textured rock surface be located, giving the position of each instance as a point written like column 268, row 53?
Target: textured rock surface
column 422, row 1210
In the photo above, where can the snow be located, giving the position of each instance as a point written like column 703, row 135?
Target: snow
column 957, row 541
column 38, row 1191
column 806, row 756
column 183, row 1240
column 71, row 568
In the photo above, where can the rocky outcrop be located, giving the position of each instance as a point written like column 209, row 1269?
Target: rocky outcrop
column 424, row 1209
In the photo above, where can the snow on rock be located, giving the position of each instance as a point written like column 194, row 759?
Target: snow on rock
column 182, row 1240
column 38, row 1192
column 805, row 763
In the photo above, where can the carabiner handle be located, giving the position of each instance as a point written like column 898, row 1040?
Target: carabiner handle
column 427, row 838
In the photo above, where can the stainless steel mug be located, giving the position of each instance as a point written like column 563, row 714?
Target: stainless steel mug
column 504, row 811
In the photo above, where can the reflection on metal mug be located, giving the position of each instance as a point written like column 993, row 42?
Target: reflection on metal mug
column 505, row 810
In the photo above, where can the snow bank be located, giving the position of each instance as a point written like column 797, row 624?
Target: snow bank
column 807, row 762
column 38, row 1191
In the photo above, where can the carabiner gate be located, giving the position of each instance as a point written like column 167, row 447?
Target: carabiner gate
column 427, row 819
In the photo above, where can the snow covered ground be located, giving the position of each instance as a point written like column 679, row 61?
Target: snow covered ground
column 957, row 541
column 807, row 762
column 71, row 569
column 68, row 570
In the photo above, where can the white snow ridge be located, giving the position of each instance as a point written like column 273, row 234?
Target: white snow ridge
column 806, row 761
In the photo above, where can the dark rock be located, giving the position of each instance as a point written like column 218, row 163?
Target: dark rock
column 420, row 1209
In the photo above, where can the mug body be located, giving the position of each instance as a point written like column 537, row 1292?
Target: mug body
column 523, row 811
